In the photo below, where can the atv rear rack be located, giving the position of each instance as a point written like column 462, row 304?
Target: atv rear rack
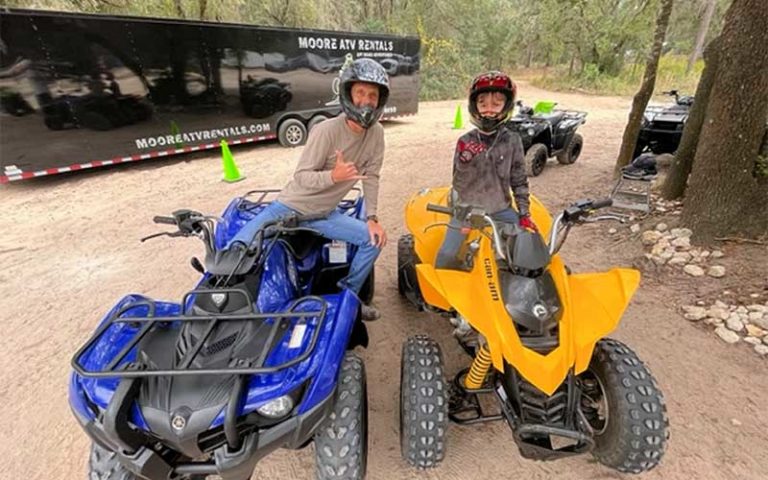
column 148, row 323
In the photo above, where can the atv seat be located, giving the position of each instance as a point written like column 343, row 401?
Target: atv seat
column 553, row 118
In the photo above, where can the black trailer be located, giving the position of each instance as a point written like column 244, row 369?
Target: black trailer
column 81, row 91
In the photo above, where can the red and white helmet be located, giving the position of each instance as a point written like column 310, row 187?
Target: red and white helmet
column 493, row 81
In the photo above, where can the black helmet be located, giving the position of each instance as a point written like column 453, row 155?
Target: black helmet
column 492, row 81
column 368, row 71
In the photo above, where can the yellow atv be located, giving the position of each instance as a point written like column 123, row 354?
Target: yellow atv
column 537, row 337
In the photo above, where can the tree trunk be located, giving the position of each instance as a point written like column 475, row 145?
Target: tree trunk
column 706, row 19
column 677, row 179
column 203, row 5
column 724, row 196
column 629, row 140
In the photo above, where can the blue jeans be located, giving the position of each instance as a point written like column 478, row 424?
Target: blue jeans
column 449, row 250
column 336, row 226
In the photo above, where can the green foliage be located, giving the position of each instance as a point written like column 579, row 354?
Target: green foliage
column 671, row 75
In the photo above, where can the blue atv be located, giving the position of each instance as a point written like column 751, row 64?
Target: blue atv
column 256, row 357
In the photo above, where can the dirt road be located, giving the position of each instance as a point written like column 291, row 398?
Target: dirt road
column 69, row 249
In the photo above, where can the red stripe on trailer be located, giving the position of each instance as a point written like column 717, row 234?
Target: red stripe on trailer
column 20, row 175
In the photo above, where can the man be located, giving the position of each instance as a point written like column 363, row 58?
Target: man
column 339, row 152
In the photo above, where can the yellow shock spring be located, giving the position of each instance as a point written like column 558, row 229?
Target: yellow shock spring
column 479, row 368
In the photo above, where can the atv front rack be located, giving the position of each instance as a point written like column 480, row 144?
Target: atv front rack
column 144, row 325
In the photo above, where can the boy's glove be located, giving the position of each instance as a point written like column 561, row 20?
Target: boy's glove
column 527, row 223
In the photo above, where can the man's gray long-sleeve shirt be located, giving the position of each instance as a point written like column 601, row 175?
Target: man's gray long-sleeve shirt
column 312, row 191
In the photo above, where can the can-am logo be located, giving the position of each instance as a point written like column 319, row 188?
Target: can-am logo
column 333, row 43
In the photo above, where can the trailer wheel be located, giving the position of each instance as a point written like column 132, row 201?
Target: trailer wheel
column 315, row 120
column 292, row 133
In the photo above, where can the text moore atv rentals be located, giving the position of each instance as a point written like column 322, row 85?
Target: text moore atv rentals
column 254, row 358
column 662, row 127
column 546, row 133
column 537, row 336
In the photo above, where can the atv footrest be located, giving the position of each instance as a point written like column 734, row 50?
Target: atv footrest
column 464, row 405
column 632, row 193
column 125, row 321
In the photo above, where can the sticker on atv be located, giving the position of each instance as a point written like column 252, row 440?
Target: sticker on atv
column 297, row 336
column 337, row 252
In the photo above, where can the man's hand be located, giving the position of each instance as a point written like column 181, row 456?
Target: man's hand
column 344, row 171
column 378, row 235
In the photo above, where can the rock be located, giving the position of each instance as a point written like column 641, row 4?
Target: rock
column 752, row 316
column 720, row 304
column 765, row 339
column 754, row 295
column 681, row 232
column 734, row 323
column 714, row 321
column 726, row 335
column 634, row 228
column 757, row 308
column 761, row 349
column 754, row 330
column 667, row 254
column 661, row 209
column 741, row 309
column 662, row 227
column 753, row 341
column 735, row 422
column 705, row 253
column 761, row 322
column 650, row 237
column 658, row 260
column 693, row 270
column 677, row 261
column 683, row 243
column 683, row 255
column 612, row 231
column 694, row 313
column 716, row 271
column 717, row 254
column 718, row 313
column 657, row 249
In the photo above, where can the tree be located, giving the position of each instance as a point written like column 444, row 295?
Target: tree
column 674, row 185
column 725, row 195
column 640, row 101
column 698, row 46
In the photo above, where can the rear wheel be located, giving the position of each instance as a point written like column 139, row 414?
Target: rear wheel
column 341, row 443
column 572, row 151
column 407, row 283
column 536, row 159
column 625, row 408
column 315, row 120
column 423, row 403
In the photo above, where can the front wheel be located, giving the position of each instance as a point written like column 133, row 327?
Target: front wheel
column 104, row 465
column 292, row 133
column 341, row 443
column 423, row 403
column 536, row 159
column 625, row 408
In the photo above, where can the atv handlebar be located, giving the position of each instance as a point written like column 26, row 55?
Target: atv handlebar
column 439, row 209
column 165, row 220
column 575, row 213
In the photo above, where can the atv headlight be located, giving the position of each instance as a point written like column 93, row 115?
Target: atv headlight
column 277, row 408
column 531, row 132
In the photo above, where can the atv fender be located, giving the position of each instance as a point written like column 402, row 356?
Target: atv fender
column 597, row 302
column 431, row 288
